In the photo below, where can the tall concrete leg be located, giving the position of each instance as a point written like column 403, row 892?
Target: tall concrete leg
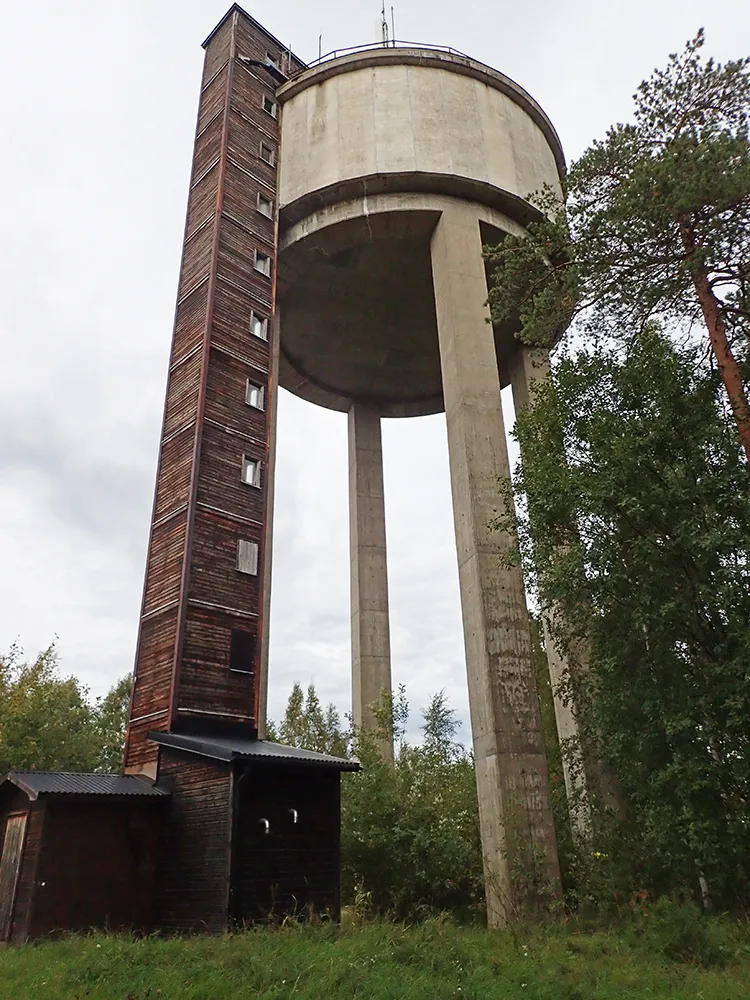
column 527, row 368
column 584, row 776
column 371, row 641
column 518, row 836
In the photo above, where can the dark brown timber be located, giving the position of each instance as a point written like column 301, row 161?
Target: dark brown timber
column 198, row 591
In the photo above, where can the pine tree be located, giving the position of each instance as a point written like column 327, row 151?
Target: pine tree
column 656, row 226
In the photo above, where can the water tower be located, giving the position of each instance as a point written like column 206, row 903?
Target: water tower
column 333, row 245
column 396, row 164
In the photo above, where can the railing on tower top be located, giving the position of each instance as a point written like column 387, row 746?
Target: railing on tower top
column 335, row 53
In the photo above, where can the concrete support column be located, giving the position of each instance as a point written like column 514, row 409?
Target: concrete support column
column 528, row 367
column 371, row 640
column 518, row 836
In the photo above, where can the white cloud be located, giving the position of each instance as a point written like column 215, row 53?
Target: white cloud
column 98, row 123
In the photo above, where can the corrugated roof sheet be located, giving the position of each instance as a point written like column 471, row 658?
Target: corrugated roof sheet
column 229, row 748
column 36, row 783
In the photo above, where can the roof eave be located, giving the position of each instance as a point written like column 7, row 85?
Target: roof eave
column 32, row 793
column 236, row 8
column 344, row 765
column 176, row 741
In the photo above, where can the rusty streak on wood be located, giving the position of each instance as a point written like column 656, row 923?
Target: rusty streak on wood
column 193, row 594
column 198, row 440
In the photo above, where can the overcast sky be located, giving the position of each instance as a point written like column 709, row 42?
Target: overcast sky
column 99, row 109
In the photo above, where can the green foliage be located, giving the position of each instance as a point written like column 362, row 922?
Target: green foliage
column 656, row 222
column 618, row 246
column 435, row 960
column 558, row 796
column 305, row 724
column 641, row 540
column 111, row 719
column 410, row 831
column 679, row 931
column 48, row 722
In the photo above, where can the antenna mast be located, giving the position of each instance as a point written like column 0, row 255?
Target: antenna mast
column 384, row 25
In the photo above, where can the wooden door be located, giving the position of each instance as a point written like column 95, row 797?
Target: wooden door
column 286, row 851
column 10, row 868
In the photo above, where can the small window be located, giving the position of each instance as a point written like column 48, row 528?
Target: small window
column 267, row 153
column 247, row 557
column 263, row 263
column 265, row 206
column 254, row 395
column 259, row 326
column 251, row 471
column 272, row 59
column 269, row 106
column 242, row 652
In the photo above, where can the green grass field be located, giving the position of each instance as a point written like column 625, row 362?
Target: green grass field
column 431, row 961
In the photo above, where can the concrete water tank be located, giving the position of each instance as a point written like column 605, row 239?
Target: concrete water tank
column 396, row 165
column 374, row 145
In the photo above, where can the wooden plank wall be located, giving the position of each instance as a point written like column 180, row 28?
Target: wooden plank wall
column 193, row 594
column 14, row 801
column 96, row 865
column 193, row 869
column 293, row 869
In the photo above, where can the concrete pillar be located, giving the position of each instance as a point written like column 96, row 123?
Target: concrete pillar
column 518, row 836
column 371, row 640
column 528, row 367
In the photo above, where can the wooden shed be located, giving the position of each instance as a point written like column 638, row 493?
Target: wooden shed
column 252, row 833
column 76, row 851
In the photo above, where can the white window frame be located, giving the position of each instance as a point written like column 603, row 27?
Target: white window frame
column 273, row 60
column 269, row 202
column 247, row 557
column 262, row 322
column 271, row 160
column 251, row 471
column 269, row 106
column 253, row 389
column 259, row 264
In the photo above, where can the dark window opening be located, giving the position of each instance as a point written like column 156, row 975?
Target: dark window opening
column 242, row 655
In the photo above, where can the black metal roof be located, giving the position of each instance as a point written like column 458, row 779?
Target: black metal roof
column 36, row 783
column 233, row 748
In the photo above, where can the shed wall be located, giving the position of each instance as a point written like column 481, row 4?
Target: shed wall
column 192, row 885
column 294, row 867
column 96, row 866
column 13, row 800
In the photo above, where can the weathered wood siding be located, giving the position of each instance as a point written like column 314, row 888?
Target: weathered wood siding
column 294, row 867
column 96, row 863
column 194, row 594
column 14, row 801
column 13, row 825
column 193, row 873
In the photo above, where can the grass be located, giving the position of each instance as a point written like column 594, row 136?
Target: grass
column 382, row 961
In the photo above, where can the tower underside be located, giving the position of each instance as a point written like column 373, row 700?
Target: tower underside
column 359, row 308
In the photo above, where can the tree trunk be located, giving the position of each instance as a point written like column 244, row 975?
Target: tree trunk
column 717, row 334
